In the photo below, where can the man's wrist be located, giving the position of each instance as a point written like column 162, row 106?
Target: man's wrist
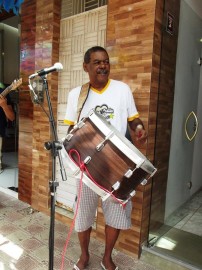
column 4, row 106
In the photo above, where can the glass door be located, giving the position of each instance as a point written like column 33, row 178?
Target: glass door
column 177, row 231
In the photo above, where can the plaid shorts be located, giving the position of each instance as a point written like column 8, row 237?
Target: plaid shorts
column 115, row 215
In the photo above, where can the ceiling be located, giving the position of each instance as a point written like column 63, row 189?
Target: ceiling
column 5, row 15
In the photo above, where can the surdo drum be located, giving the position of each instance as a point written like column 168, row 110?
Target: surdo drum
column 114, row 166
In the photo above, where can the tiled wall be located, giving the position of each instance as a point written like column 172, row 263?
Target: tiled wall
column 40, row 30
column 27, row 66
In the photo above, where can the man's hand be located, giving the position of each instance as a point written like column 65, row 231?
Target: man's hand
column 3, row 101
column 140, row 133
column 8, row 110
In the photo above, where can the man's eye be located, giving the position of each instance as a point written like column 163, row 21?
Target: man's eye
column 105, row 62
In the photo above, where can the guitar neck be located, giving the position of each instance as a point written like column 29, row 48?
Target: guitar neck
column 6, row 91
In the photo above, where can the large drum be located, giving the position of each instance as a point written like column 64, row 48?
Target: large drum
column 114, row 166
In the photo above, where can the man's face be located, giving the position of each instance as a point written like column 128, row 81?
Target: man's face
column 98, row 68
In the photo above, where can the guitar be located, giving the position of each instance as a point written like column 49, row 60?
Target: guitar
column 11, row 87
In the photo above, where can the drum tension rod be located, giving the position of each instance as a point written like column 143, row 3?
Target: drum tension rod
column 130, row 172
column 152, row 174
column 132, row 194
column 102, row 144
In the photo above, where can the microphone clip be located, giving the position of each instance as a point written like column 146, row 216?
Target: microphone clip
column 36, row 90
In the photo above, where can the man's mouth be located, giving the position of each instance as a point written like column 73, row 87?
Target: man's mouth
column 102, row 72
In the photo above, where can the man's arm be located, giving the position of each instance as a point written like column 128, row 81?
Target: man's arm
column 8, row 110
column 70, row 128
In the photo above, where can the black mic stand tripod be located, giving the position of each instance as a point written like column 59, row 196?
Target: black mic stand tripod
column 54, row 146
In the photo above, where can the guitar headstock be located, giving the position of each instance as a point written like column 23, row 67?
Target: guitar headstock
column 15, row 84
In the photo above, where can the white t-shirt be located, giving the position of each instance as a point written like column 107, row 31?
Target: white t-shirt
column 115, row 102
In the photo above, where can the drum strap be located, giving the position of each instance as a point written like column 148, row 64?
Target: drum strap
column 82, row 98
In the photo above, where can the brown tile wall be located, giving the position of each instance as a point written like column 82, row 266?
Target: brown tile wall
column 39, row 49
column 27, row 66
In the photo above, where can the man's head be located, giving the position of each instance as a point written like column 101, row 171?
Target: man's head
column 96, row 63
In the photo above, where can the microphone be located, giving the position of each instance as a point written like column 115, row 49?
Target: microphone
column 55, row 67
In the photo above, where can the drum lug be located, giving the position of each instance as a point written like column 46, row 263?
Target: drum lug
column 132, row 194
column 76, row 126
column 79, row 125
column 102, row 144
column 99, row 147
column 128, row 174
column 87, row 160
column 69, row 136
column 144, row 182
column 116, row 185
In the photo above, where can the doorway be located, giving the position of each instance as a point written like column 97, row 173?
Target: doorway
column 179, row 233
column 9, row 72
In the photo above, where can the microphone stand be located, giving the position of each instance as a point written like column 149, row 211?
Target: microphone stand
column 54, row 146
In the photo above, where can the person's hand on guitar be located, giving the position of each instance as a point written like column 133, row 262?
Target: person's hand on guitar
column 11, row 87
column 3, row 101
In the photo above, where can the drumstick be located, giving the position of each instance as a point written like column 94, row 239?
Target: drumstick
column 139, row 129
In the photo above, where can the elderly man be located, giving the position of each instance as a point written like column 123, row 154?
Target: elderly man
column 119, row 108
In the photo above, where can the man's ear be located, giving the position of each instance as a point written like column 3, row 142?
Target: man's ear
column 85, row 67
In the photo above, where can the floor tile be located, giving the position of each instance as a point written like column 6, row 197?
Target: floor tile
column 24, row 242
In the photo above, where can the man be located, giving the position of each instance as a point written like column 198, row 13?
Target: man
column 114, row 100
column 6, row 113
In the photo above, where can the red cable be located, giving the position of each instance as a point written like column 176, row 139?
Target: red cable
column 83, row 167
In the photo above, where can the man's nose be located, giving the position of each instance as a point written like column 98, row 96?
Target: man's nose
column 103, row 63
